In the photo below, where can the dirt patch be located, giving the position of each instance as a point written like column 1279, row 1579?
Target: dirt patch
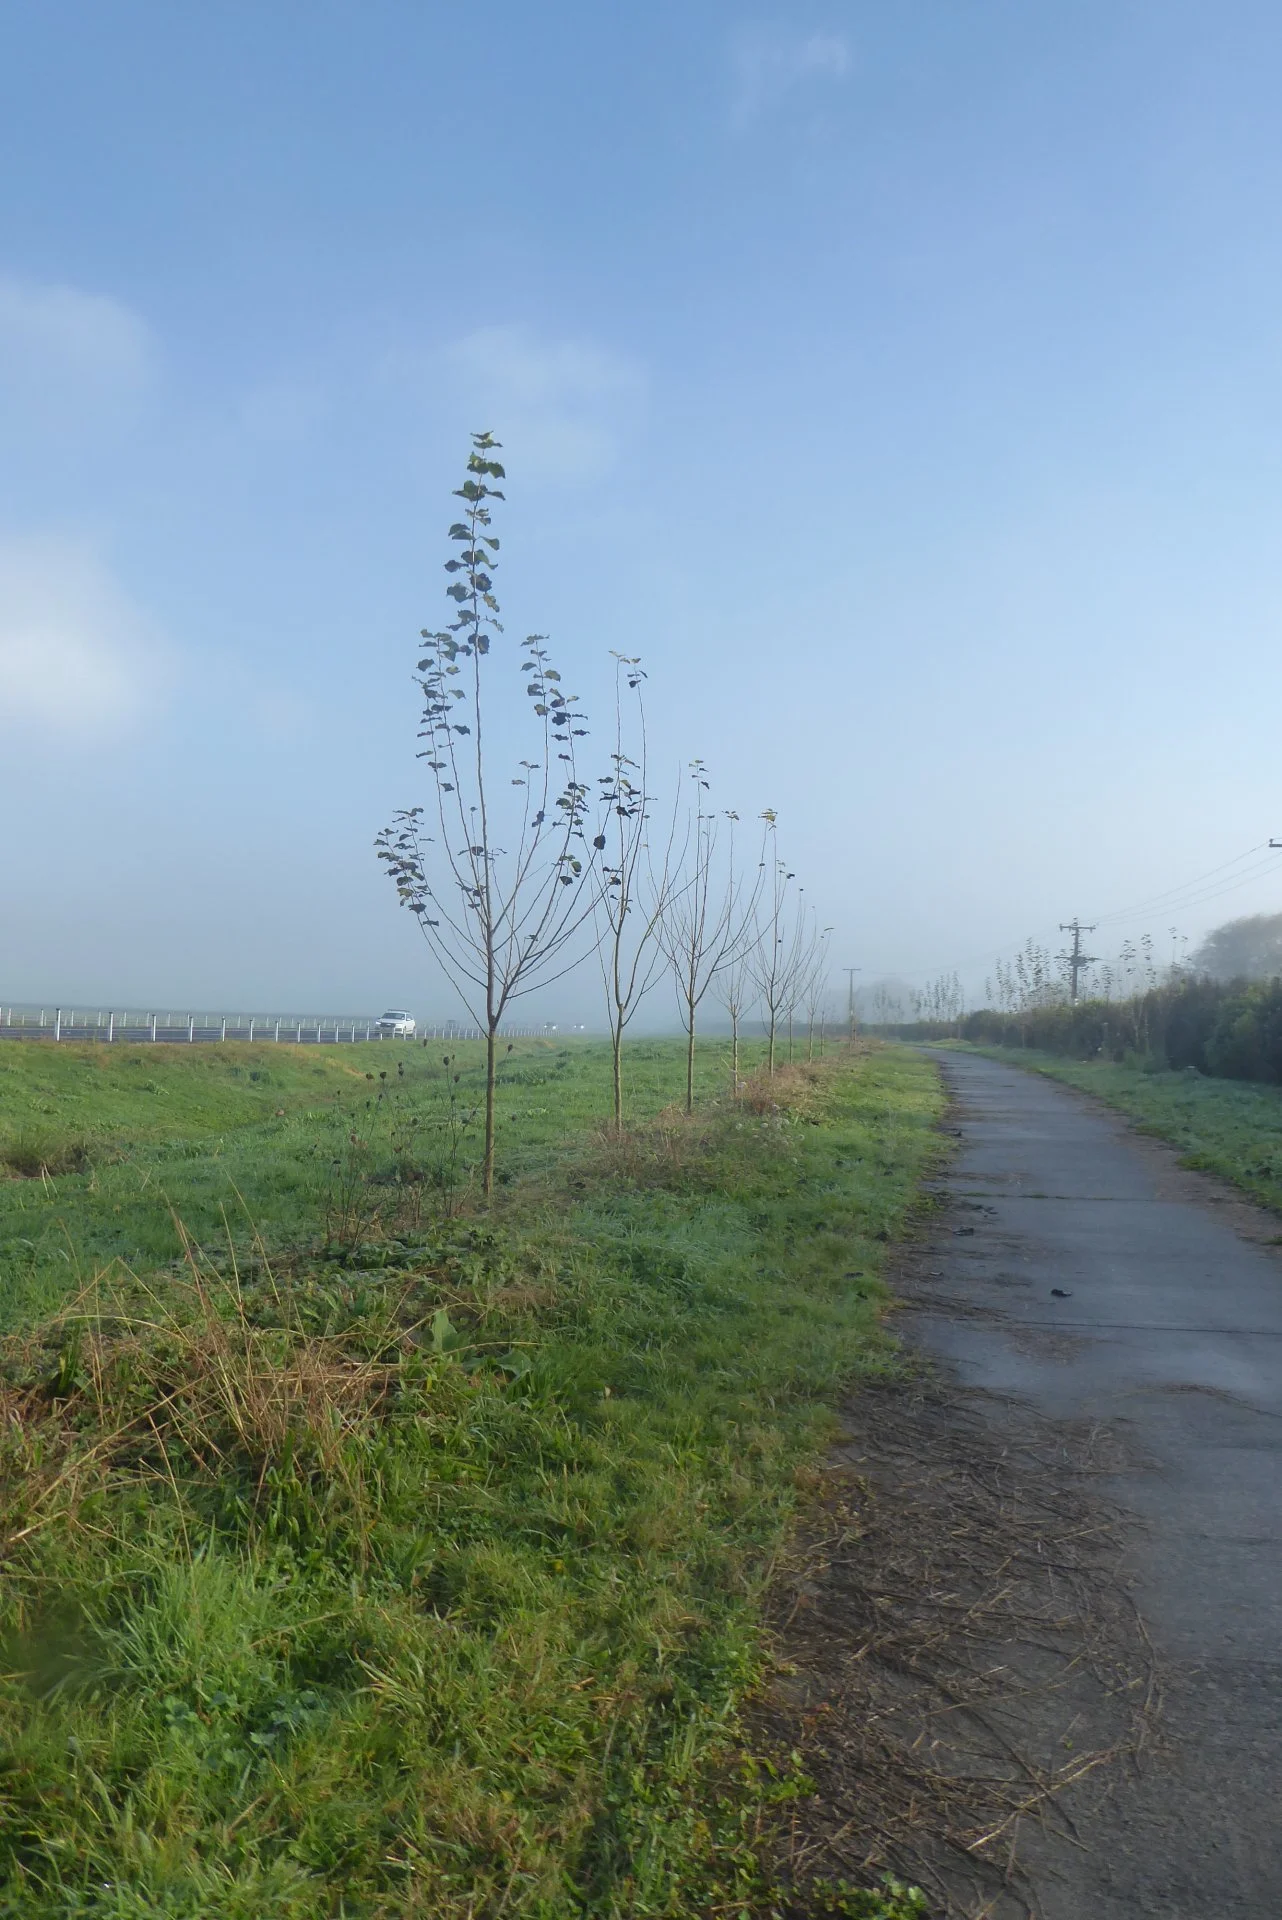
column 960, row 1665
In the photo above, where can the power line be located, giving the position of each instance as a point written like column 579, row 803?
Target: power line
column 1193, row 892
column 1185, row 902
column 1196, row 891
column 1171, row 898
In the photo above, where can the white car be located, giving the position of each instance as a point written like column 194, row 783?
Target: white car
column 395, row 1026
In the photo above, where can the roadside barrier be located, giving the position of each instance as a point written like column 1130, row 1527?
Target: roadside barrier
column 130, row 1028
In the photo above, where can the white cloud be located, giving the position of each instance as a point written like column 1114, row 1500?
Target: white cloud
column 77, row 659
column 768, row 65
column 560, row 407
column 65, row 354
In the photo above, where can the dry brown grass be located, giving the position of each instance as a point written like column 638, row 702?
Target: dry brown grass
column 959, row 1663
column 128, row 1378
column 652, row 1153
column 676, row 1148
column 41, row 1157
column 795, row 1090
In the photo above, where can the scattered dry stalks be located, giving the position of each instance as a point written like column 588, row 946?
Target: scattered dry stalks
column 957, row 1656
column 792, row 1090
column 128, row 1377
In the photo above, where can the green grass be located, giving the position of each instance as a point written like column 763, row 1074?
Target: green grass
column 419, row 1572
column 102, row 1145
column 1225, row 1127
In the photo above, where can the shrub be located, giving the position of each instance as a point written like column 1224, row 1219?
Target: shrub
column 1246, row 1041
column 1233, row 1031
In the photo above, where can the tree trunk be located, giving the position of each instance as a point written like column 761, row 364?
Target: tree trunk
column 690, row 1064
column 487, row 1163
column 617, row 1038
column 770, row 1047
column 734, row 1054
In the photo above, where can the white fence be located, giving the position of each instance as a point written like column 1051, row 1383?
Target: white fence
column 130, row 1027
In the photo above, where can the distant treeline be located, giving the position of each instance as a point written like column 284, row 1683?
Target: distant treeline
column 1231, row 1029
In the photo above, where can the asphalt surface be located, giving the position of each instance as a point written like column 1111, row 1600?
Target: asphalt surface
column 1081, row 1271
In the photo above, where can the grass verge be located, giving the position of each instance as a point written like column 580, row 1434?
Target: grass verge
column 423, row 1574
column 1225, row 1127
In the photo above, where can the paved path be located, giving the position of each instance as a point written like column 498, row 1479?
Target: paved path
column 1168, row 1327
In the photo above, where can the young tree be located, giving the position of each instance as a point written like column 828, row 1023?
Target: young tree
column 802, row 959
column 636, row 882
column 735, row 990
column 941, row 1001
column 496, row 883
column 708, row 924
column 777, row 953
column 886, row 1000
column 814, row 985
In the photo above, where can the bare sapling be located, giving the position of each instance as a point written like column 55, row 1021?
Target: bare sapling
column 814, row 984
column 798, row 954
column 636, row 881
column 492, row 868
column 709, row 922
column 776, row 956
column 736, row 994
column 796, row 976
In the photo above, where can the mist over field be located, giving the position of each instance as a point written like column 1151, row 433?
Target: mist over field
column 900, row 387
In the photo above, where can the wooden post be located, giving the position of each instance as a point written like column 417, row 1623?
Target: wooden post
column 57, row 1024
column 111, row 1028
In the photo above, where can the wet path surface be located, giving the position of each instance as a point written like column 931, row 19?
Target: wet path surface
column 1081, row 1271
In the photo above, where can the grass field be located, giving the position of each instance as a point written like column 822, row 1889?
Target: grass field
column 100, row 1143
column 1225, row 1127
column 374, row 1556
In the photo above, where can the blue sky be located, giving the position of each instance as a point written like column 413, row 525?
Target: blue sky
column 902, row 382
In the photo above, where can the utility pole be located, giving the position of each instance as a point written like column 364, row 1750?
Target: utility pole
column 1076, row 959
column 850, row 973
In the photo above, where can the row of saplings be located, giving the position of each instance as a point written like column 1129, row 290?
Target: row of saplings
column 517, row 870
